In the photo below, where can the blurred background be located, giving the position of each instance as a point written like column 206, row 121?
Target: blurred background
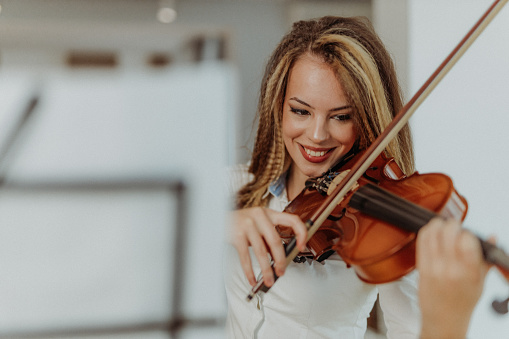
column 117, row 118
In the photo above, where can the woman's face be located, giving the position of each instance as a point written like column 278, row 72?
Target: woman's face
column 318, row 128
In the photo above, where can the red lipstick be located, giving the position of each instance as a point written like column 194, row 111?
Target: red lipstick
column 315, row 159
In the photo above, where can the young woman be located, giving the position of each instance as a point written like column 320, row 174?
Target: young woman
column 329, row 89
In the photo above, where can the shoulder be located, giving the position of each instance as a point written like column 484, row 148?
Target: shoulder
column 237, row 176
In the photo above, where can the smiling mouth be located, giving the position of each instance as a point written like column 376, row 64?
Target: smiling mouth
column 315, row 155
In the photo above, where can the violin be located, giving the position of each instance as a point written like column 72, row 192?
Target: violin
column 374, row 228
column 366, row 209
column 378, row 251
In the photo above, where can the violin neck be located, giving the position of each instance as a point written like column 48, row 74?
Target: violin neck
column 381, row 204
column 495, row 255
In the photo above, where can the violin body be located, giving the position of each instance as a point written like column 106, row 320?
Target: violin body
column 378, row 251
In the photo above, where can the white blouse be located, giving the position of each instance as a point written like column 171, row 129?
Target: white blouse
column 313, row 300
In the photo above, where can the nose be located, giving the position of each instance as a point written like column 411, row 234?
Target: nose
column 319, row 129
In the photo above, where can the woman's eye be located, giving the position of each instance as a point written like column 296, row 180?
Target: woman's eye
column 342, row 117
column 299, row 111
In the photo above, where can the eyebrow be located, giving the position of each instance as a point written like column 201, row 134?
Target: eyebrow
column 308, row 105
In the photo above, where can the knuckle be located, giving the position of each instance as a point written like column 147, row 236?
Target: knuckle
column 295, row 219
column 267, row 271
column 280, row 264
column 272, row 238
column 258, row 211
column 248, row 221
column 469, row 244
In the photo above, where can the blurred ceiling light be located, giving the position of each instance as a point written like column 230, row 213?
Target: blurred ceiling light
column 166, row 12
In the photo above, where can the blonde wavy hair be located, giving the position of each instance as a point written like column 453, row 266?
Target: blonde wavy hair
column 366, row 71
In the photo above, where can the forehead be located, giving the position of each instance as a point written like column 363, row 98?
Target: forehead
column 313, row 79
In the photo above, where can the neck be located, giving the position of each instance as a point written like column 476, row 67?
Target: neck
column 295, row 183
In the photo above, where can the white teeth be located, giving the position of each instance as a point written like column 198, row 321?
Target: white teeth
column 315, row 154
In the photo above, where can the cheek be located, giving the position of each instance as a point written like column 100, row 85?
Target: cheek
column 346, row 135
column 290, row 128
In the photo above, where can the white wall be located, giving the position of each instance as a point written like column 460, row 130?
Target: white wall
column 389, row 16
column 93, row 256
column 461, row 129
column 86, row 258
column 255, row 27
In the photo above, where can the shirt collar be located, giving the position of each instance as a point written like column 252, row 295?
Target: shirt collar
column 277, row 187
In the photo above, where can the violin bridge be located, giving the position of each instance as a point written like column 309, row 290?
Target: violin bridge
column 337, row 180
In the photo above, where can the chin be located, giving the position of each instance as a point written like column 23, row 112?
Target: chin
column 317, row 172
